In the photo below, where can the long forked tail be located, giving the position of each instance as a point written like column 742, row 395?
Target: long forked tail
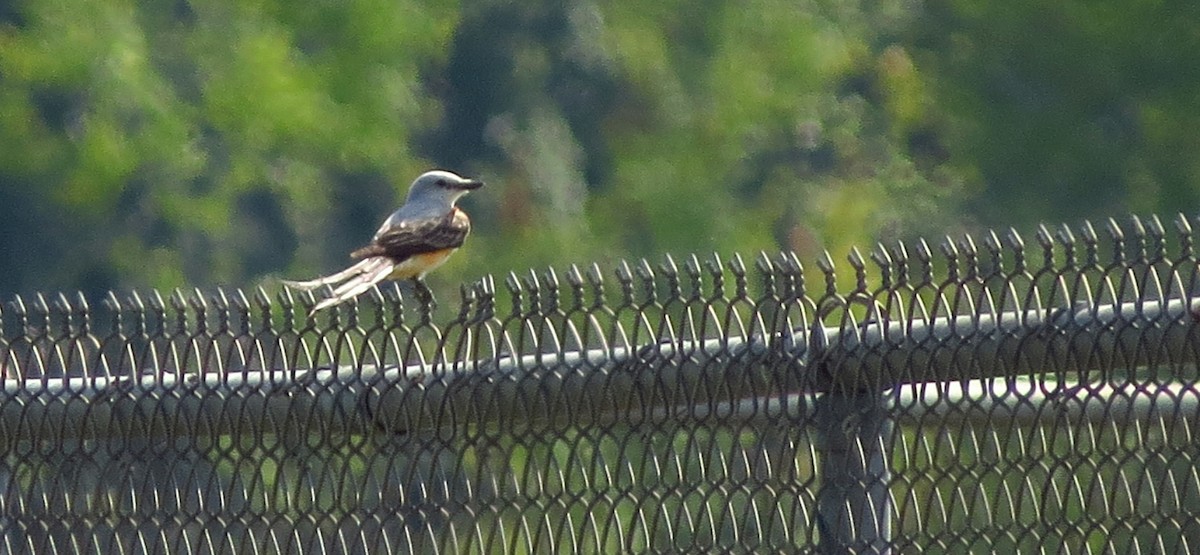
column 349, row 282
column 358, row 268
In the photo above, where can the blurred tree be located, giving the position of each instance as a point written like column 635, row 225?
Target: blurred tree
column 624, row 129
column 200, row 143
column 1068, row 110
column 170, row 144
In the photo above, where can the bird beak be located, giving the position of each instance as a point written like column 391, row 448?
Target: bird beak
column 470, row 184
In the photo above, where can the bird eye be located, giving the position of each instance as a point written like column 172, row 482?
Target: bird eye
column 441, row 183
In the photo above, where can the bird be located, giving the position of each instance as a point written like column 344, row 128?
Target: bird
column 416, row 239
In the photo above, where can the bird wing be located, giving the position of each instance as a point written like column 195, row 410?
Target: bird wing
column 412, row 237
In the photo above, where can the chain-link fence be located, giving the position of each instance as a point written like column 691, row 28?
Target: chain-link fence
column 985, row 397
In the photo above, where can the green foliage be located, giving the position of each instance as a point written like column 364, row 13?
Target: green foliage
column 1060, row 110
column 202, row 143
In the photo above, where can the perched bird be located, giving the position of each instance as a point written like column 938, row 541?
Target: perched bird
column 415, row 239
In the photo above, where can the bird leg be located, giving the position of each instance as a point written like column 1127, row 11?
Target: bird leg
column 423, row 292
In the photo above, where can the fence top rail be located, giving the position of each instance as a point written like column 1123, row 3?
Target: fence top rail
column 957, row 296
column 1098, row 309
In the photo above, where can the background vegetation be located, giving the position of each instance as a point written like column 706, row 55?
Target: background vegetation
column 226, row 143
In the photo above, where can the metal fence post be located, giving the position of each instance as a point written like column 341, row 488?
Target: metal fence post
column 853, row 506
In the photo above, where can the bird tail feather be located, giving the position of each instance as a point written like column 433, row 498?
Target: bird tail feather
column 359, row 268
column 377, row 270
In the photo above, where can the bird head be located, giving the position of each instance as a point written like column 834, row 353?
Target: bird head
column 440, row 187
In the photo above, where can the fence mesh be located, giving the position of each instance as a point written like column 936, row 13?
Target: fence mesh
column 981, row 396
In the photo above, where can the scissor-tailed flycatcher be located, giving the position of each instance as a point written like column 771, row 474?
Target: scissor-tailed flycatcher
column 415, row 239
